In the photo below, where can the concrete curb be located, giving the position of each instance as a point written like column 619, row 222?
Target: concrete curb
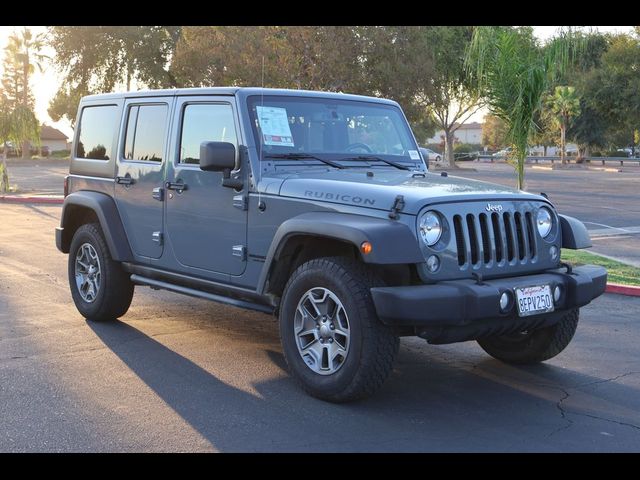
column 49, row 199
column 623, row 289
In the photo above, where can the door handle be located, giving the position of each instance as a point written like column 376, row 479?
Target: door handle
column 179, row 186
column 126, row 180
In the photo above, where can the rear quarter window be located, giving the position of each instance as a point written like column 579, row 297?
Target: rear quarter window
column 96, row 131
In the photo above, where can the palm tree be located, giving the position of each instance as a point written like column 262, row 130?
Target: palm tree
column 564, row 104
column 512, row 72
column 24, row 52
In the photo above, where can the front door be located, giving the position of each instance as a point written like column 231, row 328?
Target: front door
column 139, row 180
column 207, row 230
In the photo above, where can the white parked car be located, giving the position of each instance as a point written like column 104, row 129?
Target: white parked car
column 431, row 155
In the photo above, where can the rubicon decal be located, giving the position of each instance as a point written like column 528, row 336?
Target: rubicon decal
column 342, row 197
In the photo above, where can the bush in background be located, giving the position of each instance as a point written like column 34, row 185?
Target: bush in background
column 467, row 148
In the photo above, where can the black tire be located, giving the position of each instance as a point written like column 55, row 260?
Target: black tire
column 115, row 290
column 373, row 346
column 536, row 346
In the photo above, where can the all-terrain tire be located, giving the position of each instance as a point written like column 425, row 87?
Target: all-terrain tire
column 115, row 290
column 372, row 346
column 536, row 346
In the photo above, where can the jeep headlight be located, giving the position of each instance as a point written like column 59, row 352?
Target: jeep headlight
column 544, row 221
column 430, row 228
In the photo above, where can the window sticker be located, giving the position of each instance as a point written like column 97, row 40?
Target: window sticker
column 414, row 155
column 274, row 125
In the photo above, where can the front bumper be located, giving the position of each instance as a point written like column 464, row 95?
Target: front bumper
column 460, row 303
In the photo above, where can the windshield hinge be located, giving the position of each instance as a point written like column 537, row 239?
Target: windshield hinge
column 398, row 205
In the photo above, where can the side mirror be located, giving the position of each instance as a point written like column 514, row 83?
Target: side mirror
column 425, row 156
column 217, row 156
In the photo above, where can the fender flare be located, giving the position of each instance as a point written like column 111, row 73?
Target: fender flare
column 393, row 242
column 574, row 234
column 105, row 209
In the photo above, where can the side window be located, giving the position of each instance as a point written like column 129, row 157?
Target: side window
column 205, row 123
column 96, row 129
column 146, row 126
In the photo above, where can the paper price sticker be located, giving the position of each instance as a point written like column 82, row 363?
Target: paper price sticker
column 274, row 124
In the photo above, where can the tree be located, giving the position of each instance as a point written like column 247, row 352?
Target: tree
column 512, row 73
column 451, row 96
column 564, row 105
column 587, row 129
column 5, row 133
column 22, row 56
column 494, row 132
column 543, row 133
column 96, row 59
column 612, row 89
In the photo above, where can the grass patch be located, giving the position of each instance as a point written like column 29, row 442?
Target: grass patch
column 617, row 272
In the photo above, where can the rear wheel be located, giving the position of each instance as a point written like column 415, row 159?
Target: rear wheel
column 334, row 344
column 533, row 347
column 100, row 288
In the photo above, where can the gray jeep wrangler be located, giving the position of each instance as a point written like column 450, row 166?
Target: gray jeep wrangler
column 319, row 208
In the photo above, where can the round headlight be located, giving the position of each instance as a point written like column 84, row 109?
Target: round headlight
column 544, row 221
column 430, row 228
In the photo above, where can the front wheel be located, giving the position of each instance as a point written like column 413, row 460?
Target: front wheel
column 334, row 344
column 100, row 288
column 535, row 346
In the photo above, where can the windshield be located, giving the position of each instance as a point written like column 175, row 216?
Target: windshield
column 330, row 128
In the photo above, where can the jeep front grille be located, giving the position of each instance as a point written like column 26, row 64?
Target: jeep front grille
column 494, row 238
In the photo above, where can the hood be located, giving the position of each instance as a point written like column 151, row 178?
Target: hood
column 354, row 187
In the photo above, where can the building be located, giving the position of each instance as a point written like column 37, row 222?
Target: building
column 466, row 133
column 53, row 138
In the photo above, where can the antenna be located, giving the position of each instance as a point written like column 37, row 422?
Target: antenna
column 260, row 139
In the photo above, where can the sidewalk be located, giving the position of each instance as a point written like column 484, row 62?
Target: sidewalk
column 32, row 198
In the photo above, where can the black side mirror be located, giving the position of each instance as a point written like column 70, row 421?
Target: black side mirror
column 217, row 156
column 220, row 157
column 425, row 156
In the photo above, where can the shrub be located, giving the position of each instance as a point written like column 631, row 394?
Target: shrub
column 467, row 147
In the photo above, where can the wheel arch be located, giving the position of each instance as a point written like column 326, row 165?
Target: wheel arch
column 87, row 207
column 319, row 234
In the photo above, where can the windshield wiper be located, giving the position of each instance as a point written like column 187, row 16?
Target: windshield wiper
column 303, row 156
column 379, row 159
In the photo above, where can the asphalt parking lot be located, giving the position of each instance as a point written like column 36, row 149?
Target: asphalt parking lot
column 182, row 374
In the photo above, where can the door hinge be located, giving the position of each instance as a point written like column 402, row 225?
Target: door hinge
column 240, row 201
column 157, row 237
column 239, row 251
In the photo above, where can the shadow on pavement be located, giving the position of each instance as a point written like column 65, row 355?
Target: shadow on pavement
column 431, row 402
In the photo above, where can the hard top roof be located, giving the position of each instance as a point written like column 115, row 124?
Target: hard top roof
column 245, row 91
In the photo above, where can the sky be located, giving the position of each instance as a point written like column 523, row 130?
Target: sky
column 46, row 83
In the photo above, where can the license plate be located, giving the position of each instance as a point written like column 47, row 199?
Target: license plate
column 534, row 300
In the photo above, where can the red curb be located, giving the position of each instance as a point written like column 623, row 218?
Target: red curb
column 49, row 200
column 623, row 289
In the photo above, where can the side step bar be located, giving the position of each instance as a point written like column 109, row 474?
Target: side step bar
column 140, row 280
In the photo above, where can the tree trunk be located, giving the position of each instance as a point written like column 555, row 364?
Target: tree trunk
column 4, row 176
column 26, row 149
column 563, row 129
column 520, row 173
column 26, row 146
column 544, row 150
column 448, row 157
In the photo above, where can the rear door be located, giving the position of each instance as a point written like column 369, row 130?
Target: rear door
column 139, row 179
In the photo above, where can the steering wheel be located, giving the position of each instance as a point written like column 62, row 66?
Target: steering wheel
column 353, row 146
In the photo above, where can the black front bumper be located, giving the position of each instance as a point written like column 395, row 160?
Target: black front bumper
column 461, row 303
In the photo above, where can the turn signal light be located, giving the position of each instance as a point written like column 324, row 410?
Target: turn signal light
column 366, row 248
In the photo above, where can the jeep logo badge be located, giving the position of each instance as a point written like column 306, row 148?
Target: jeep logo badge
column 493, row 208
